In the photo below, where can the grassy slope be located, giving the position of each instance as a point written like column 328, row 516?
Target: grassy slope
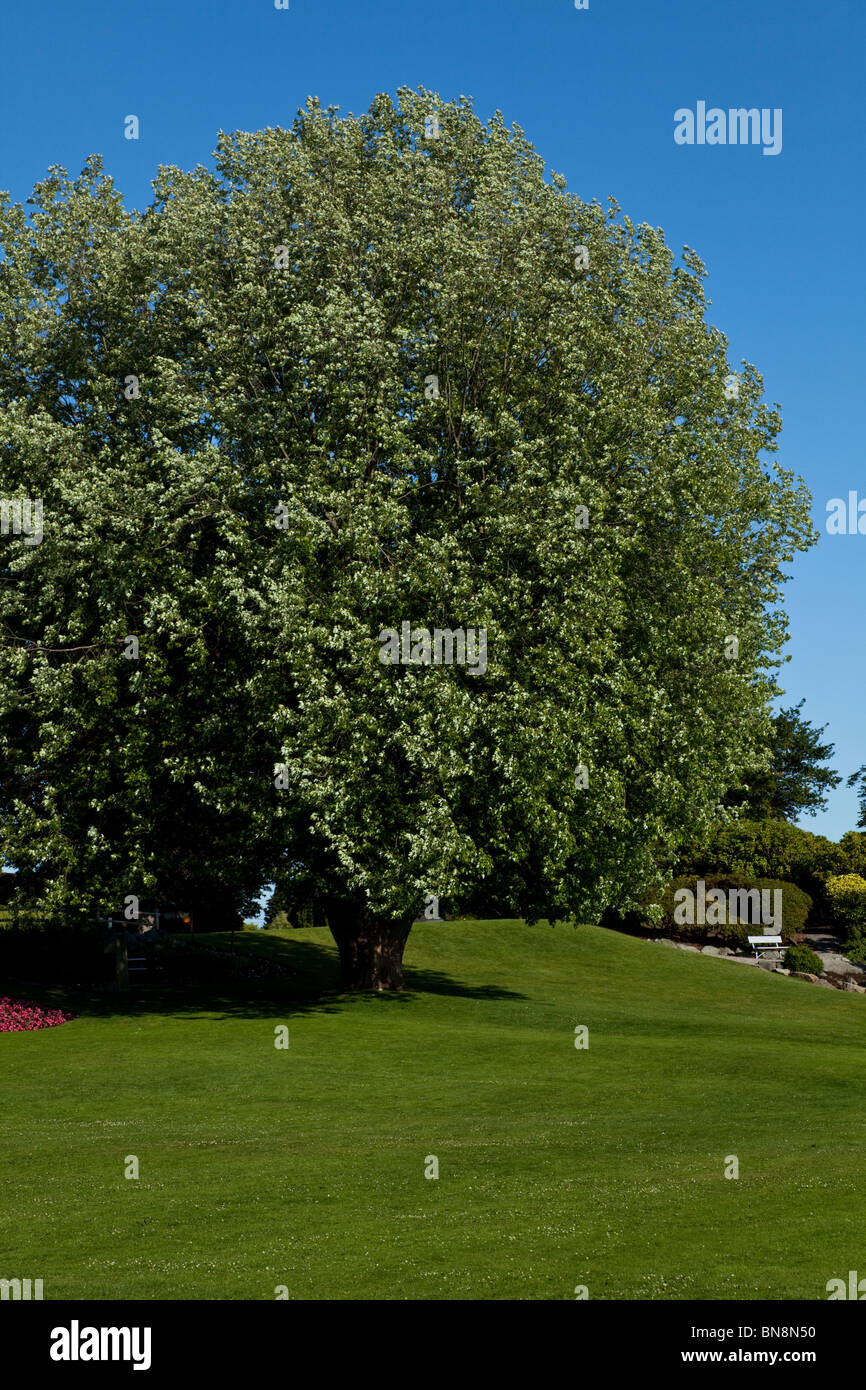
column 558, row 1167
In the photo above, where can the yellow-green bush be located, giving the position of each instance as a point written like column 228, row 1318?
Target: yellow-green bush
column 846, row 894
column 795, row 907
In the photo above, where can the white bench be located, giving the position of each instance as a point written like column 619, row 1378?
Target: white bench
column 765, row 943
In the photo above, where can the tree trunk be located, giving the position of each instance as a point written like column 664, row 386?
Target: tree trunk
column 371, row 948
column 121, row 964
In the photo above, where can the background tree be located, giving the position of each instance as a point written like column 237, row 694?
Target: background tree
column 795, row 783
column 286, row 907
column 858, row 779
column 379, row 377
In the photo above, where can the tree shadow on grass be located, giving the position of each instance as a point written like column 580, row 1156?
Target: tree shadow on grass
column 437, row 982
column 310, row 985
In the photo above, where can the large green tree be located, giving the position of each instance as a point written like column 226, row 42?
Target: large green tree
column 794, row 781
column 366, row 372
column 858, row 780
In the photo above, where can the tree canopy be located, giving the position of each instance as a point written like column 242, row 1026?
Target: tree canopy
column 366, row 372
column 858, row 780
column 794, row 782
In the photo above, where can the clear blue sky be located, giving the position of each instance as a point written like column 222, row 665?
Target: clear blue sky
column 595, row 91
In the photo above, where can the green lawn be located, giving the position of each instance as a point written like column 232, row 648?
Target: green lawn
column 558, row 1167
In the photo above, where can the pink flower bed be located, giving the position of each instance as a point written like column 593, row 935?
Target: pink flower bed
column 18, row 1016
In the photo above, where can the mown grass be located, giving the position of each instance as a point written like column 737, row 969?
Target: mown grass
column 558, row 1167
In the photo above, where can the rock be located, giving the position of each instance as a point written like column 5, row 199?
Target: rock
column 663, row 941
column 843, row 979
column 803, row 975
column 681, row 946
column 780, row 970
column 851, row 988
column 716, row 951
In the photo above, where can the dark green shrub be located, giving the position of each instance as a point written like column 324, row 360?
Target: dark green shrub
column 735, row 935
column 179, row 961
column 739, row 918
column 802, row 959
column 796, row 905
column 54, row 954
column 628, row 921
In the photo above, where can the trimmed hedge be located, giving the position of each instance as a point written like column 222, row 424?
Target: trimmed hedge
column 734, row 929
column 796, row 904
